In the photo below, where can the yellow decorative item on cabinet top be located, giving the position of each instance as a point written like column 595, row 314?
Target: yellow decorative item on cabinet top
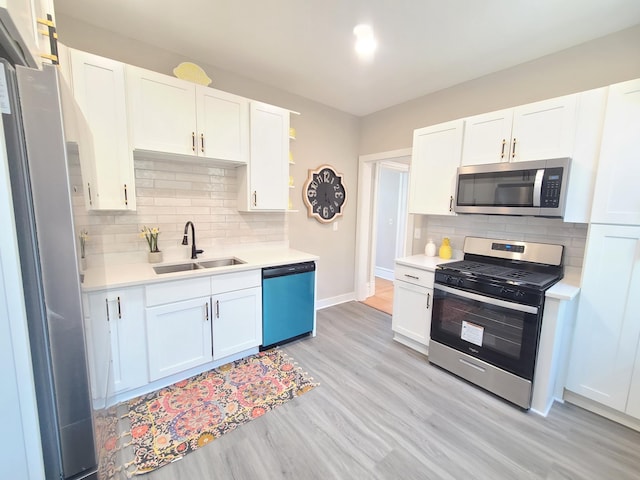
column 192, row 72
column 445, row 249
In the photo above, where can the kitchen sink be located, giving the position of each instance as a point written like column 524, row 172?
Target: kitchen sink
column 180, row 267
column 222, row 262
column 187, row 267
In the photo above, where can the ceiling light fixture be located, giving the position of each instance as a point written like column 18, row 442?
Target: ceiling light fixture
column 365, row 42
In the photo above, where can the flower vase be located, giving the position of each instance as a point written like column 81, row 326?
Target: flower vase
column 155, row 257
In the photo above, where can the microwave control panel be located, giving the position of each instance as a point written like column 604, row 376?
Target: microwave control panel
column 551, row 186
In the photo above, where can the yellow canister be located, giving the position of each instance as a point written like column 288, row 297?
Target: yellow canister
column 445, row 249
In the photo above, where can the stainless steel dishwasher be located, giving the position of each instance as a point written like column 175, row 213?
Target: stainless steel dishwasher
column 288, row 303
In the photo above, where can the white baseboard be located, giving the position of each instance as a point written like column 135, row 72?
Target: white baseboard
column 329, row 302
column 386, row 273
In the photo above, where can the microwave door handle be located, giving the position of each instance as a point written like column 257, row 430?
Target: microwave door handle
column 537, row 187
column 492, row 301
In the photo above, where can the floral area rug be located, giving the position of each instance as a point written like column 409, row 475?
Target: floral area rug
column 169, row 423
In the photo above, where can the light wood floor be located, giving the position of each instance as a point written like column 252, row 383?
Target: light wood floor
column 382, row 412
column 383, row 298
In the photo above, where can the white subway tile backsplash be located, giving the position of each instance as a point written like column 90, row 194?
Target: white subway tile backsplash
column 533, row 229
column 168, row 195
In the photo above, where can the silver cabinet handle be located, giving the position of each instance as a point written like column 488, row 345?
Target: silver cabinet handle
column 255, row 198
column 206, row 312
column 428, row 301
column 412, row 276
column 513, row 149
column 119, row 309
column 126, row 196
column 451, row 203
column 202, row 142
column 504, row 143
column 193, row 141
column 217, row 309
column 106, row 302
column 89, row 191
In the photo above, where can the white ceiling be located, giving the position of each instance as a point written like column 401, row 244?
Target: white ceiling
column 306, row 46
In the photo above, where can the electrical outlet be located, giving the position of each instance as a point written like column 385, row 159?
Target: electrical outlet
column 416, row 233
column 335, row 226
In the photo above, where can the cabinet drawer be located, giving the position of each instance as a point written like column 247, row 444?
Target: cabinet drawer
column 414, row 275
column 161, row 293
column 228, row 282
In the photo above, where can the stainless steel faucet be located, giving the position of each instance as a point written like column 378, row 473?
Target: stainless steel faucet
column 194, row 250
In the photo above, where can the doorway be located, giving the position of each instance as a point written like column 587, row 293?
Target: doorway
column 383, row 224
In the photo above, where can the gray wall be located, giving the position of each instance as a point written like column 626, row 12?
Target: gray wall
column 389, row 183
column 594, row 64
column 324, row 135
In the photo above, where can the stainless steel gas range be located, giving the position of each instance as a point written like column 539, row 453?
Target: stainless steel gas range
column 487, row 313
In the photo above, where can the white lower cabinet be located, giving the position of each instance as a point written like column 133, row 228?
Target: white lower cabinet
column 412, row 302
column 178, row 336
column 196, row 321
column 116, row 341
column 605, row 357
column 234, row 321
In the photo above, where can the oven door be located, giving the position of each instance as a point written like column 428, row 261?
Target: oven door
column 502, row 333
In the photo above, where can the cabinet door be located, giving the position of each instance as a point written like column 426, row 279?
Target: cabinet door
column 99, row 90
column 19, row 19
column 237, row 321
column 223, row 125
column 412, row 311
column 118, row 349
column 608, row 319
column 432, row 176
column 178, row 336
column 544, row 129
column 633, row 402
column 162, row 112
column 269, row 163
column 487, row 138
column 617, row 196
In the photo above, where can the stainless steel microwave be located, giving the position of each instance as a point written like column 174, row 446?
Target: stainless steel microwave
column 537, row 188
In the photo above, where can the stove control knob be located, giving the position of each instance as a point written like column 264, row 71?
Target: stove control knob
column 520, row 293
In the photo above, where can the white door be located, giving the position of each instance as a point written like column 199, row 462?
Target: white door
column 223, row 125
column 99, row 90
column 162, row 112
column 178, row 336
column 608, row 319
column 435, row 159
column 487, row 138
column 269, row 163
column 237, row 321
column 544, row 129
column 617, row 196
column 412, row 311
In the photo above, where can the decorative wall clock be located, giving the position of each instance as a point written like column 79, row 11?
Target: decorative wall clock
column 324, row 194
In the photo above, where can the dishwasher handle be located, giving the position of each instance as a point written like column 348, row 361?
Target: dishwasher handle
column 293, row 269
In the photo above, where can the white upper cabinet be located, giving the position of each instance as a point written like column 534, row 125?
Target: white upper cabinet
column 264, row 183
column 23, row 20
column 534, row 131
column 99, row 92
column 617, row 197
column 434, row 162
column 171, row 115
column 223, row 125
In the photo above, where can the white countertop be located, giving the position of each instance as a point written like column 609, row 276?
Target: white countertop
column 132, row 274
column 566, row 289
column 425, row 263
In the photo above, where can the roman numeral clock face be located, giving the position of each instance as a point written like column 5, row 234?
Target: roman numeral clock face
column 324, row 194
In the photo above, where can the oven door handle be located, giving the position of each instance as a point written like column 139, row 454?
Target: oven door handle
column 493, row 301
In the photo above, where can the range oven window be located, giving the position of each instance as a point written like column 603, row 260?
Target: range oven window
column 498, row 332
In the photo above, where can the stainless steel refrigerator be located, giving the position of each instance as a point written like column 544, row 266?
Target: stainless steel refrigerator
column 30, row 105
